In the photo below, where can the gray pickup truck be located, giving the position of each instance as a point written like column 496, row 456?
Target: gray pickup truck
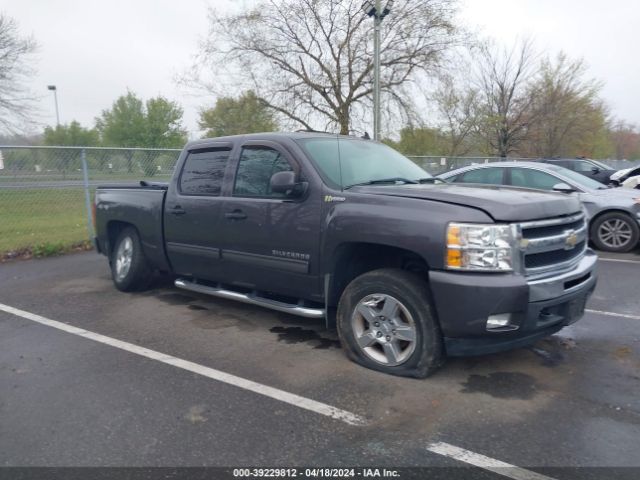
column 410, row 269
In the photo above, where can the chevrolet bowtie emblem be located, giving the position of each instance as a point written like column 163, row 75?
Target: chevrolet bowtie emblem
column 571, row 240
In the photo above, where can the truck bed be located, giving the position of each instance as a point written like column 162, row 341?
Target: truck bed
column 141, row 205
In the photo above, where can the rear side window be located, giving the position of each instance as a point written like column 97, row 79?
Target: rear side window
column 525, row 177
column 256, row 166
column 203, row 172
column 490, row 176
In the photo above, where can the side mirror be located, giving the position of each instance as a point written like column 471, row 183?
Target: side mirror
column 286, row 182
column 563, row 188
column 595, row 170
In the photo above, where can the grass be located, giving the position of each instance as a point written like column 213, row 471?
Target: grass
column 48, row 220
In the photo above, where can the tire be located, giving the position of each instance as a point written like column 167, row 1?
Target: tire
column 384, row 309
column 130, row 270
column 615, row 232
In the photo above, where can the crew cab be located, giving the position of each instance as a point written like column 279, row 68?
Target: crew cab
column 409, row 269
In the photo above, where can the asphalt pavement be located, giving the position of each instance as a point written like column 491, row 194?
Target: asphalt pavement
column 70, row 399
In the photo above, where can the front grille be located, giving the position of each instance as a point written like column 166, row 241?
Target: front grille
column 537, row 260
column 553, row 244
column 550, row 230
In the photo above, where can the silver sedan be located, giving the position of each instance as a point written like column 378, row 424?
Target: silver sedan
column 614, row 213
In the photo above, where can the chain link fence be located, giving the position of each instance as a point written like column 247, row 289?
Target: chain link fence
column 46, row 192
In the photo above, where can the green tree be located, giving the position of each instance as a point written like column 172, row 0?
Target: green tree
column 233, row 116
column 130, row 122
column 163, row 128
column 123, row 125
column 420, row 141
column 71, row 135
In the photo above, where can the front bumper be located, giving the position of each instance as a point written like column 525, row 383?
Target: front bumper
column 537, row 308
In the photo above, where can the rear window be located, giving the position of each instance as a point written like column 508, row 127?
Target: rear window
column 203, row 172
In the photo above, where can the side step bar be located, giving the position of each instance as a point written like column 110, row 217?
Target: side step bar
column 251, row 298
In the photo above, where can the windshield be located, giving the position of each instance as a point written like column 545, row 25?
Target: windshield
column 578, row 178
column 345, row 162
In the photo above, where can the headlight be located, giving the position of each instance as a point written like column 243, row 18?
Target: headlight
column 479, row 247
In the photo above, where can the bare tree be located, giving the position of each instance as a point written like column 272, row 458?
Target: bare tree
column 312, row 60
column 502, row 77
column 16, row 101
column 457, row 105
column 625, row 140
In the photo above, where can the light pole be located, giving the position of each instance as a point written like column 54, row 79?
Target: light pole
column 375, row 10
column 55, row 97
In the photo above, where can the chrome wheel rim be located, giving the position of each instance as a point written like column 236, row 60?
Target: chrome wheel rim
column 124, row 256
column 615, row 233
column 384, row 330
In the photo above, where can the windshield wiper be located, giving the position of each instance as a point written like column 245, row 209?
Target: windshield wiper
column 383, row 181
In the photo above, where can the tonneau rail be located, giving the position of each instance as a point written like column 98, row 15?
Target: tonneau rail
column 142, row 185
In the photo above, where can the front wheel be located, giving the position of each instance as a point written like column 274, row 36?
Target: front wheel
column 615, row 232
column 385, row 322
column 130, row 270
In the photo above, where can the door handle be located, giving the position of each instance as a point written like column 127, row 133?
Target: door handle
column 236, row 215
column 177, row 210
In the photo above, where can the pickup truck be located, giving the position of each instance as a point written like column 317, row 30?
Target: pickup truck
column 409, row 269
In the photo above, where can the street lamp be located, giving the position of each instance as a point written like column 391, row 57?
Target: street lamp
column 55, row 97
column 375, row 10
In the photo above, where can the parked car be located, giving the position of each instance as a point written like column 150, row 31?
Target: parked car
column 593, row 169
column 343, row 228
column 627, row 178
column 614, row 213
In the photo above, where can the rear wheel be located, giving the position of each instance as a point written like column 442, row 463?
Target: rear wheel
column 130, row 270
column 615, row 232
column 385, row 323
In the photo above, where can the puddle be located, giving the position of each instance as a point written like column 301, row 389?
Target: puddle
column 291, row 335
column 197, row 307
column 502, row 385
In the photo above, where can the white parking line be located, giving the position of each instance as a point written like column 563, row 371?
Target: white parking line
column 275, row 393
column 619, row 260
column 614, row 314
column 486, row 463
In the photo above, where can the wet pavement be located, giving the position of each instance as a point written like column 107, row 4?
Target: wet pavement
column 571, row 400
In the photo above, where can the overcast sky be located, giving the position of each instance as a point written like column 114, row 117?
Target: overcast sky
column 94, row 50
